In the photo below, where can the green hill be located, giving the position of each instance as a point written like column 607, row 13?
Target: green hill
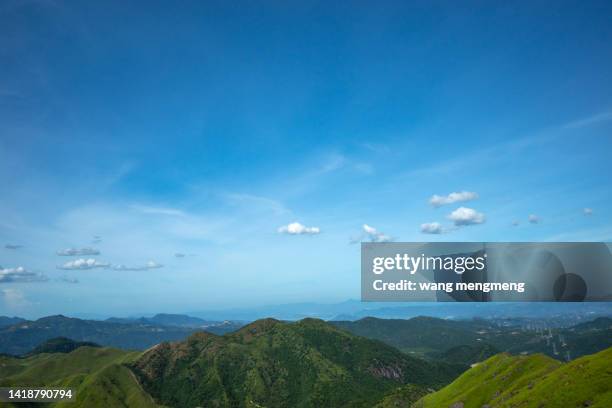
column 467, row 354
column 273, row 364
column 99, row 376
column 61, row 345
column 505, row 381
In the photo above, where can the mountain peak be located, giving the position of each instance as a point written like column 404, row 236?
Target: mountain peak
column 258, row 327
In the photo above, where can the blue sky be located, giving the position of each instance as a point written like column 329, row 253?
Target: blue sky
column 204, row 129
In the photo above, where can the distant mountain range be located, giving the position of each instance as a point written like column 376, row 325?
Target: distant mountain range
column 130, row 334
column 558, row 313
column 448, row 339
column 177, row 320
column 462, row 341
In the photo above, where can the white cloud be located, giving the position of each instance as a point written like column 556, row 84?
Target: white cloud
column 533, row 219
column 438, row 201
column 145, row 267
column 515, row 223
column 466, row 216
column 13, row 246
column 588, row 211
column 78, row 252
column 431, row 228
column 19, row 275
column 295, row 228
column 179, row 255
column 83, row 263
column 374, row 235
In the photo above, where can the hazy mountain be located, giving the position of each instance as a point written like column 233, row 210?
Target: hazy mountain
column 269, row 363
column 9, row 321
column 529, row 381
column 180, row 320
column 435, row 338
column 23, row 337
column 561, row 314
column 419, row 333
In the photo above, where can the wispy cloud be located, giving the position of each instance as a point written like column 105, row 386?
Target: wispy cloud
column 533, row 219
column 438, row 201
column 67, row 279
column 13, row 246
column 145, row 209
column 587, row 211
column 255, row 202
column 78, row 252
column 83, row 264
column 591, row 120
column 149, row 265
column 20, row 275
column 13, row 299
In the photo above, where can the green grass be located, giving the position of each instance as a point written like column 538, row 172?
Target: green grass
column 99, row 376
column 530, row 381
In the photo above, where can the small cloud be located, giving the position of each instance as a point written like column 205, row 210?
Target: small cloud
column 78, row 252
column 82, row 264
column 13, row 246
column 431, row 228
column 96, row 239
column 295, row 228
column 374, row 235
column 516, row 223
column 466, row 216
column 179, row 255
column 149, row 265
column 20, row 275
column 587, row 211
column 533, row 219
column 438, row 201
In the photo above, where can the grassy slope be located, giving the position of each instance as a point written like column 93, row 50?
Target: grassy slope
column 530, row 381
column 98, row 375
